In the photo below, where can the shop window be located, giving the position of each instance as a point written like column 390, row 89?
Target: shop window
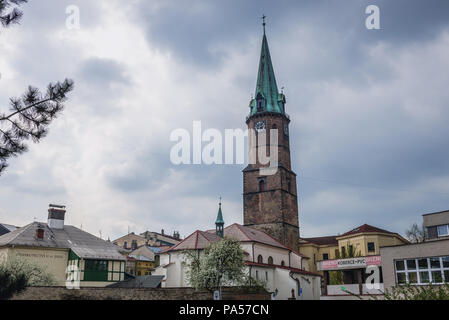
column 259, row 258
column 371, row 247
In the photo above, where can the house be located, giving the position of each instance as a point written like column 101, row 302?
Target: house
column 58, row 247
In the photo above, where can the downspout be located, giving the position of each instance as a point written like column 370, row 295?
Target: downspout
column 298, row 284
column 253, row 251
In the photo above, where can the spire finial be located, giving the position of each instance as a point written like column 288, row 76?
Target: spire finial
column 263, row 22
column 220, row 202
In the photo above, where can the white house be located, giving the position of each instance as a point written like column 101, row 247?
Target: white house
column 283, row 269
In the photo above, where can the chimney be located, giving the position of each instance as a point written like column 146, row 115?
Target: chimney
column 40, row 232
column 56, row 214
column 162, row 232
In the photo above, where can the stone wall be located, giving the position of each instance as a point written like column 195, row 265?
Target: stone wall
column 61, row 293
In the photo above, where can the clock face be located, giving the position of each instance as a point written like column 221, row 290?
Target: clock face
column 286, row 129
column 259, row 126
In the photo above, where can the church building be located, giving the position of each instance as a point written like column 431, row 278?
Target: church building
column 270, row 234
column 270, row 202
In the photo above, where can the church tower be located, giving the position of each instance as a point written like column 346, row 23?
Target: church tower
column 219, row 223
column 270, row 201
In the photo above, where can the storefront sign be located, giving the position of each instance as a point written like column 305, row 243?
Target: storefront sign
column 351, row 263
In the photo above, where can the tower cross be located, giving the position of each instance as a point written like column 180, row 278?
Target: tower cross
column 263, row 23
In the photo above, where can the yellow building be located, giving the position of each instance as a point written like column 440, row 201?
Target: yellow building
column 361, row 241
column 347, row 261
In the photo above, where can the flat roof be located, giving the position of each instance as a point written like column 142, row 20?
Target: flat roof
column 428, row 214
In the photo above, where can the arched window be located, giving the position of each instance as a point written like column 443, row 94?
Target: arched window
column 289, row 185
column 260, row 259
column 261, row 185
column 282, row 263
column 270, row 260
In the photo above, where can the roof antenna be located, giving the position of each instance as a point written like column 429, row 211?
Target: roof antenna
column 263, row 23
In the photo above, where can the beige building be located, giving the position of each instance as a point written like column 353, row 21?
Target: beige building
column 364, row 240
column 346, row 260
column 55, row 246
column 420, row 263
column 133, row 241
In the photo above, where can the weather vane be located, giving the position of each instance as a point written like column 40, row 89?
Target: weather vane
column 263, row 23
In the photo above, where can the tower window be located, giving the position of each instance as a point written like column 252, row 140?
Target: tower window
column 289, row 185
column 260, row 259
column 262, row 185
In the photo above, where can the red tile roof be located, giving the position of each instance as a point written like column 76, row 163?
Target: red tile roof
column 329, row 240
column 200, row 239
column 365, row 228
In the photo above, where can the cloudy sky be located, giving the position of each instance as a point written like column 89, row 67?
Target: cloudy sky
column 369, row 110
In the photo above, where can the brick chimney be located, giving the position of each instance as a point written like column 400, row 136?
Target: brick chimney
column 56, row 214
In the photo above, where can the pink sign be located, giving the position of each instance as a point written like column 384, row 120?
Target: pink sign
column 329, row 264
column 373, row 261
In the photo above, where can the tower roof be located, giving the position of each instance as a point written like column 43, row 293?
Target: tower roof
column 219, row 216
column 266, row 87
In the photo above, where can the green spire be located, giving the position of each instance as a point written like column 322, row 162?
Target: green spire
column 219, row 223
column 267, row 97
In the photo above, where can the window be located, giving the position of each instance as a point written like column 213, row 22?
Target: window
column 259, row 259
column 343, row 251
column 325, row 256
column 289, row 186
column 257, row 275
column 125, row 245
column 371, row 247
column 443, row 230
column 282, row 263
column 266, row 275
column 270, row 260
column 433, row 270
column 261, row 185
column 96, row 270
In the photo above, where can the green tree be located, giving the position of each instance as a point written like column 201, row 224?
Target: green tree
column 336, row 277
column 30, row 115
column 411, row 292
column 220, row 264
column 16, row 275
